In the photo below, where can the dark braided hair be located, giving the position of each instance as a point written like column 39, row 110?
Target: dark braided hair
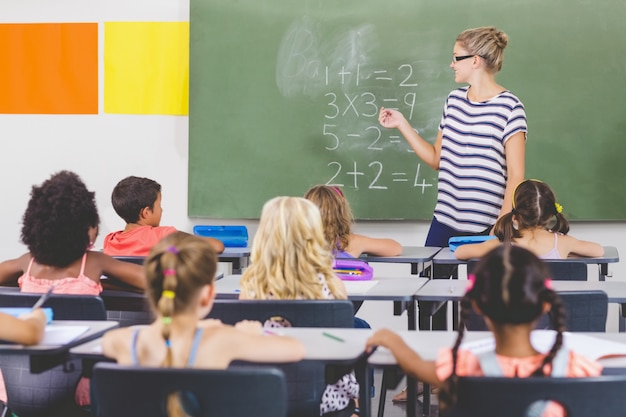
column 509, row 287
column 176, row 269
column 534, row 205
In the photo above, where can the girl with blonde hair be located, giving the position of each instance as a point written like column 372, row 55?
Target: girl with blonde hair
column 290, row 259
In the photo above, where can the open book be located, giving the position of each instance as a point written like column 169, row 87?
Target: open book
column 591, row 347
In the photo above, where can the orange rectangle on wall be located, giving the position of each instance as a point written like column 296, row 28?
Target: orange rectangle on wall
column 49, row 68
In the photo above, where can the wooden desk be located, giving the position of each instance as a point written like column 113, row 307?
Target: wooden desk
column 47, row 356
column 390, row 289
column 446, row 257
column 414, row 255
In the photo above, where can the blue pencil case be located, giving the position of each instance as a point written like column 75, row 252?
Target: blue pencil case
column 455, row 241
column 18, row 311
column 231, row 236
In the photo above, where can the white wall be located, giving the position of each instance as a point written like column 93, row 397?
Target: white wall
column 104, row 148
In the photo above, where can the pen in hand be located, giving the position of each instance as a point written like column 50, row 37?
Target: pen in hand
column 43, row 298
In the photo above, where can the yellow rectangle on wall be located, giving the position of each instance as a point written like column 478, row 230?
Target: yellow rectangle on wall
column 146, row 68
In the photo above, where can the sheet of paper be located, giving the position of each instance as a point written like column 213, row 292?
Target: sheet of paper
column 359, row 287
column 60, row 335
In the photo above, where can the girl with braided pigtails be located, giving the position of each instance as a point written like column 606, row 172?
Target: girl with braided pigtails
column 511, row 291
column 180, row 271
column 536, row 223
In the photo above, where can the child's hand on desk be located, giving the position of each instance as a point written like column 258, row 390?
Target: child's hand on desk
column 34, row 326
column 209, row 323
column 384, row 337
column 250, row 326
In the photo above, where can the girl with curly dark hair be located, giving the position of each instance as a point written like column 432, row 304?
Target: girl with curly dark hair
column 59, row 227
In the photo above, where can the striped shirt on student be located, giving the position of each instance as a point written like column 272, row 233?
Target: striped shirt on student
column 472, row 168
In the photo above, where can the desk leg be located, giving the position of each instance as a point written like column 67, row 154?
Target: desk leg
column 604, row 271
column 411, row 397
column 411, row 313
column 622, row 318
column 362, row 374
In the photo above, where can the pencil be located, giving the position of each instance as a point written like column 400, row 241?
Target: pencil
column 330, row 336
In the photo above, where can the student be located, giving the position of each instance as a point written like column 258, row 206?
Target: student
column 138, row 201
column 536, row 223
column 290, row 260
column 511, row 291
column 59, row 227
column 337, row 220
column 181, row 271
column 26, row 330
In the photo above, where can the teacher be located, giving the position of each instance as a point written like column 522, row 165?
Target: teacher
column 479, row 149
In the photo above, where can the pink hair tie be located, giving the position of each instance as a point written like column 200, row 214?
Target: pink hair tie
column 471, row 279
column 172, row 249
column 169, row 272
column 338, row 191
column 548, row 284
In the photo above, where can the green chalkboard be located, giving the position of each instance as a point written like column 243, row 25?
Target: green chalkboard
column 284, row 94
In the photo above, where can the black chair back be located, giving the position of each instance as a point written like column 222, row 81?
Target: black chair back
column 559, row 270
column 585, row 311
column 511, row 397
column 306, row 379
column 132, row 259
column 300, row 313
column 121, row 391
column 64, row 307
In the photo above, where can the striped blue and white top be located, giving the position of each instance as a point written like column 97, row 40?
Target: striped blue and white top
column 472, row 168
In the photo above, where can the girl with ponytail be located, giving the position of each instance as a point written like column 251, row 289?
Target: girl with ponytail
column 536, row 223
column 180, row 271
column 510, row 289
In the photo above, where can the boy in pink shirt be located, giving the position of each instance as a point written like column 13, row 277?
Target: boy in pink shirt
column 137, row 200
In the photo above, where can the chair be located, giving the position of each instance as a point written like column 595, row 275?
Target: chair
column 50, row 392
column 306, row 379
column 586, row 311
column 132, row 259
column 123, row 391
column 511, row 397
column 64, row 307
column 559, row 270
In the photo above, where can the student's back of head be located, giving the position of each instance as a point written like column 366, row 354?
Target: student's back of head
column 176, row 269
column 289, row 253
column 534, row 205
column 337, row 218
column 133, row 194
column 58, row 218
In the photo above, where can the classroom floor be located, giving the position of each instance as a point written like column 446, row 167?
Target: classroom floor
column 397, row 409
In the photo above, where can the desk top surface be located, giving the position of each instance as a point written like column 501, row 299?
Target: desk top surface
column 410, row 254
column 453, row 289
column 94, row 330
column 446, row 256
column 397, row 289
column 230, row 252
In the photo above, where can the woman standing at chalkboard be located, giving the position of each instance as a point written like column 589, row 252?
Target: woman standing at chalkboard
column 479, row 150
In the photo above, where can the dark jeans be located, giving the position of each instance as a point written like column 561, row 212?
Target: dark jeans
column 438, row 236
